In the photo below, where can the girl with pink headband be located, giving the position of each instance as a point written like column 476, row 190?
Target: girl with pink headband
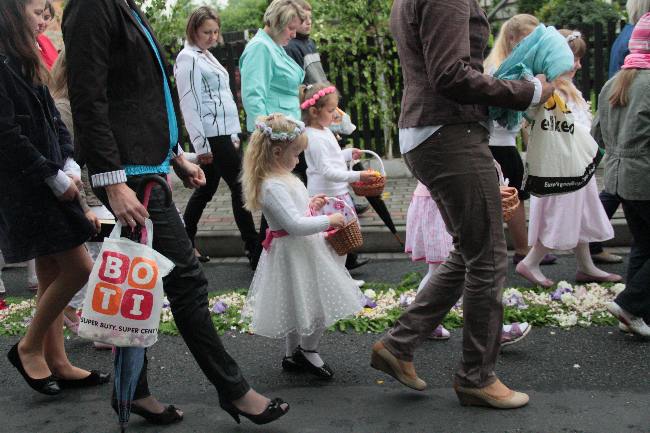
column 327, row 171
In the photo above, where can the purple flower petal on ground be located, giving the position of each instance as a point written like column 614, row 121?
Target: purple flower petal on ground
column 219, row 307
column 369, row 303
column 405, row 301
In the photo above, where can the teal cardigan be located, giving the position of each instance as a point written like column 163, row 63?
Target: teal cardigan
column 269, row 80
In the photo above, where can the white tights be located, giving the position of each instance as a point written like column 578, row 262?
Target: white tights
column 427, row 277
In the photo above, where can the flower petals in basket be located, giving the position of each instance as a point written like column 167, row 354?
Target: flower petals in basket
column 348, row 238
column 374, row 188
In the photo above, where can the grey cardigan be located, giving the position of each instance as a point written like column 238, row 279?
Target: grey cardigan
column 624, row 132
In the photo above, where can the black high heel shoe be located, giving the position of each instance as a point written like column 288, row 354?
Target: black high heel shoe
column 272, row 412
column 168, row 416
column 47, row 385
column 323, row 372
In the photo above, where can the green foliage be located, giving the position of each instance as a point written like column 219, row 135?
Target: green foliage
column 572, row 13
column 242, row 15
column 168, row 22
column 529, row 6
column 354, row 37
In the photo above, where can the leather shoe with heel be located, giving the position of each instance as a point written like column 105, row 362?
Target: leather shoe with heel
column 481, row 397
column 382, row 360
column 272, row 412
column 168, row 416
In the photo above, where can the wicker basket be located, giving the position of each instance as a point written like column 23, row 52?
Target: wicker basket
column 509, row 201
column 509, row 195
column 348, row 238
column 374, row 188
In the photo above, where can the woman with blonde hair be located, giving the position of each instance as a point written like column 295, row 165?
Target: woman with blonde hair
column 503, row 142
column 270, row 77
column 622, row 126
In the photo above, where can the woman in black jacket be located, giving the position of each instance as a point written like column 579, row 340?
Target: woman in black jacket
column 40, row 214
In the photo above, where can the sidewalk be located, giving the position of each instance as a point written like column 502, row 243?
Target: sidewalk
column 218, row 235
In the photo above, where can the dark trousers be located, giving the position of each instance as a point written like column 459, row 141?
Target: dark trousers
column 636, row 296
column 456, row 166
column 186, row 290
column 610, row 203
column 227, row 165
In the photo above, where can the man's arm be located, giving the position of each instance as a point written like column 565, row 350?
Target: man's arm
column 87, row 27
column 444, row 31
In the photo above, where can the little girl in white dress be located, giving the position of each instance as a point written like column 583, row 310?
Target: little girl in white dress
column 298, row 289
column 573, row 220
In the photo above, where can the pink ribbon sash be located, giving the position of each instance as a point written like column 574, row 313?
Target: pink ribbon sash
column 272, row 234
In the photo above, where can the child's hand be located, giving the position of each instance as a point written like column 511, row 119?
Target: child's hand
column 368, row 176
column 356, row 154
column 337, row 220
column 318, row 201
column 90, row 215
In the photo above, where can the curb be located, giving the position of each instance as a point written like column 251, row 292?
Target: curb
column 376, row 239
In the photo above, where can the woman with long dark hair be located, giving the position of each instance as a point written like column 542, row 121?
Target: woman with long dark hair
column 40, row 214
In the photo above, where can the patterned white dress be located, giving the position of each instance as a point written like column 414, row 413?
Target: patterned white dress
column 298, row 285
column 426, row 234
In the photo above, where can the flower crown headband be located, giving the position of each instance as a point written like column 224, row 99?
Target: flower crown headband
column 312, row 101
column 284, row 135
column 573, row 36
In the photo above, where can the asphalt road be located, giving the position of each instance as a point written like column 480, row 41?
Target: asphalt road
column 582, row 380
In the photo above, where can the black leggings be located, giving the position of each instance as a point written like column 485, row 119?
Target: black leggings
column 226, row 164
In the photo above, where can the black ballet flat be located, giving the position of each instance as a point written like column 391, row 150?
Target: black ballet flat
column 95, row 378
column 272, row 412
column 47, row 385
column 168, row 416
column 323, row 372
column 289, row 364
column 203, row 259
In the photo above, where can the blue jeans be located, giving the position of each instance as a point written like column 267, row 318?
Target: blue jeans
column 636, row 296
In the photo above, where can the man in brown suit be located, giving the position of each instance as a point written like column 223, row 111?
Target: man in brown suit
column 444, row 141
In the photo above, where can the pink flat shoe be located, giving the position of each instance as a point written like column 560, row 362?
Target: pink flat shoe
column 71, row 325
column 440, row 333
column 523, row 270
column 581, row 277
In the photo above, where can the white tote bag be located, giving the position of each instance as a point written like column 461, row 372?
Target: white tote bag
column 562, row 156
column 125, row 292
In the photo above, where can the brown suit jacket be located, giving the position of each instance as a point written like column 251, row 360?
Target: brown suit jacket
column 441, row 46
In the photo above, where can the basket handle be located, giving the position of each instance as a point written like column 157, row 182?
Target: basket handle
column 502, row 180
column 374, row 155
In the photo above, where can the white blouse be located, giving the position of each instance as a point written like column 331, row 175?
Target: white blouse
column 207, row 104
column 327, row 171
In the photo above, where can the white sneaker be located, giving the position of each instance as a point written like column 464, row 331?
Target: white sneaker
column 635, row 324
column 359, row 283
column 2, row 286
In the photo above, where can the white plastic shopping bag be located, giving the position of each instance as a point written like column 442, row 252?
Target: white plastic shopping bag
column 562, row 156
column 342, row 123
column 125, row 292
